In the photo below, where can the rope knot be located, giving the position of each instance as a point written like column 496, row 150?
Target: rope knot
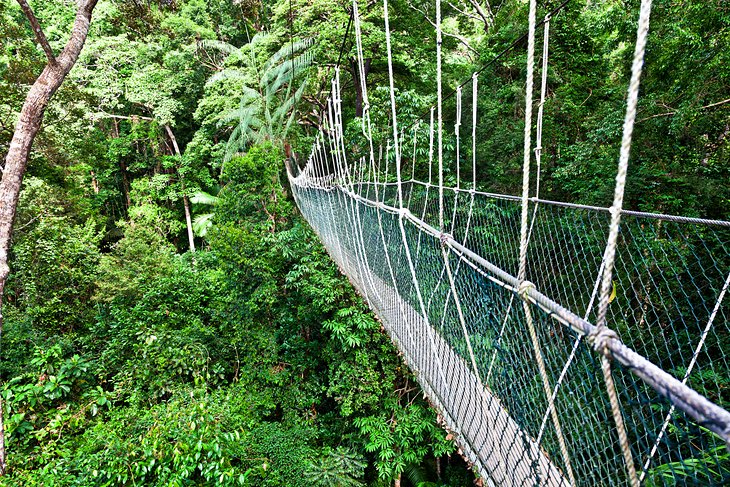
column 444, row 237
column 600, row 337
column 524, row 288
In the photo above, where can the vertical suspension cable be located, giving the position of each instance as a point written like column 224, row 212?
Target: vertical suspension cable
column 538, row 130
column 430, row 149
column 394, row 121
column 457, row 125
column 522, row 273
column 475, row 108
column 527, row 141
column 430, row 179
column 602, row 334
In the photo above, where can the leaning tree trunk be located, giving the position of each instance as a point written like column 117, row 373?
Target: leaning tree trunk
column 26, row 129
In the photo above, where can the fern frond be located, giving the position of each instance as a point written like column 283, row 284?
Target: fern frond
column 202, row 223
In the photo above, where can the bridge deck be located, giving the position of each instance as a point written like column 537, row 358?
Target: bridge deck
column 484, row 429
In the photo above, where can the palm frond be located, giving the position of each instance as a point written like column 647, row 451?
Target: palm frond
column 203, row 198
column 288, row 50
column 231, row 73
column 202, row 223
column 221, row 46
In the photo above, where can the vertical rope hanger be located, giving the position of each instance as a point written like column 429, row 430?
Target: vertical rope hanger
column 452, row 292
column 524, row 284
column 403, row 210
column 439, row 115
column 602, row 333
column 430, row 179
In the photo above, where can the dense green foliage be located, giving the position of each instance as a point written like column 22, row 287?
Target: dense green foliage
column 126, row 359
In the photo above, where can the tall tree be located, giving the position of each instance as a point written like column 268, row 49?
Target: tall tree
column 29, row 122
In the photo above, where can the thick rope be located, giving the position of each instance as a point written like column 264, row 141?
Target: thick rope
column 457, row 125
column 439, row 109
column 527, row 141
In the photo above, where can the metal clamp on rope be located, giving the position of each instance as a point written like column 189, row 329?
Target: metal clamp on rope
column 524, row 289
column 599, row 337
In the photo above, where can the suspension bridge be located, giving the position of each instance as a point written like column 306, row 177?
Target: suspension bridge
column 562, row 344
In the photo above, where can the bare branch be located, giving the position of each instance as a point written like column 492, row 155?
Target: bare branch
column 37, row 30
column 462, row 10
column 712, row 105
column 122, row 117
column 668, row 114
column 458, row 37
column 486, row 15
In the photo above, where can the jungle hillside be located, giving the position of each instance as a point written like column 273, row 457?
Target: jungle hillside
column 168, row 316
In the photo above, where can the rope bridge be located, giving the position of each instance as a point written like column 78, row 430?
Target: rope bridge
column 557, row 349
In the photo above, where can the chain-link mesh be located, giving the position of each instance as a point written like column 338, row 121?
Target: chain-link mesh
column 521, row 386
column 669, row 276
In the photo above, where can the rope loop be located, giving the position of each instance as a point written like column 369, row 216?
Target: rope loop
column 524, row 289
column 600, row 337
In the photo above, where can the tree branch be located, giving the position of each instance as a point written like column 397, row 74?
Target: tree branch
column 463, row 12
column 712, row 105
column 669, row 114
column 122, row 117
column 37, row 30
column 458, row 37
column 486, row 16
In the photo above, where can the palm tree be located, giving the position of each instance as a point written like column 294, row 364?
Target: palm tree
column 267, row 105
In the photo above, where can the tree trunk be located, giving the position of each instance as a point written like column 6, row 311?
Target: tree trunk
column 189, row 221
column 358, row 85
column 186, row 201
column 29, row 122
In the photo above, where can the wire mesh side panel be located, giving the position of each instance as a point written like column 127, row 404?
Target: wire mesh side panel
column 356, row 233
column 471, row 351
